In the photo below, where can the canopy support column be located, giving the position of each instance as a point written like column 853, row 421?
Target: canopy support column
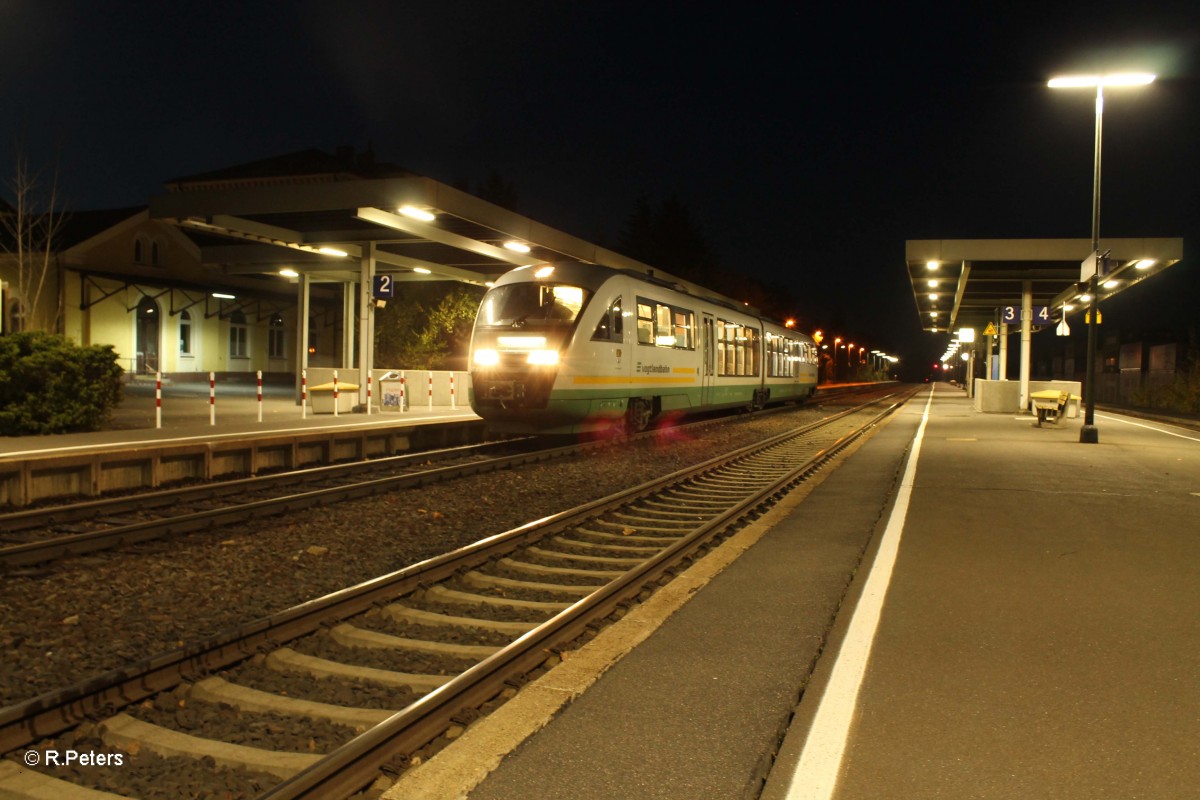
column 1026, row 340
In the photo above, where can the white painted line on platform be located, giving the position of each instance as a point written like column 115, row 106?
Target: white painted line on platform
column 208, row 437
column 1148, row 427
column 816, row 774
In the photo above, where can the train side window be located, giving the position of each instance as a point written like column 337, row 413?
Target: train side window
column 683, row 329
column 663, row 332
column 645, row 313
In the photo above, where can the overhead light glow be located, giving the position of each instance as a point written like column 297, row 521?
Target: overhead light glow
column 544, row 272
column 1145, row 263
column 1111, row 284
column 223, row 296
column 931, row 265
column 1119, row 79
column 1085, row 298
column 933, row 296
column 517, row 247
column 288, row 272
column 932, row 283
column 417, row 213
column 933, row 314
column 423, row 270
column 332, row 251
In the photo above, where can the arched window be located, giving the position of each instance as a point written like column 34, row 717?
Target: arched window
column 275, row 338
column 185, row 333
column 148, row 328
column 238, row 335
column 154, row 259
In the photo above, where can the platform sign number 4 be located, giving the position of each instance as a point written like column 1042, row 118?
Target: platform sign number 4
column 1011, row 315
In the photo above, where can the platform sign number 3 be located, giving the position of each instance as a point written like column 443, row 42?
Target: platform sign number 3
column 1011, row 315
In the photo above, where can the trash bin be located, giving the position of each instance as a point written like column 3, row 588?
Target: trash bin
column 321, row 397
column 391, row 392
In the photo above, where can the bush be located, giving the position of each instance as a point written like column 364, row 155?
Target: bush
column 49, row 384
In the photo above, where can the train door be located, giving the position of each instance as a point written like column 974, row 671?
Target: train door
column 708, row 358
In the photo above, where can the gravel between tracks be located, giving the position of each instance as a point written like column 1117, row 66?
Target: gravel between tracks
column 70, row 620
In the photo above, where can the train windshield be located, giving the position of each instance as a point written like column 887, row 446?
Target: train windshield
column 537, row 304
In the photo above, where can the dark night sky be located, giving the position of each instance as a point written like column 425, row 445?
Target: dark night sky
column 809, row 145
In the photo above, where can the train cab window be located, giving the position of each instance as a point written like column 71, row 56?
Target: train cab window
column 517, row 305
column 610, row 328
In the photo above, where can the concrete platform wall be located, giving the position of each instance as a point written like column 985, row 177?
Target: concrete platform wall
column 1004, row 397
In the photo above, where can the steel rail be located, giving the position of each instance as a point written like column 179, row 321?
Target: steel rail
column 45, row 516
column 43, row 550
column 77, row 544
column 355, row 764
column 52, row 712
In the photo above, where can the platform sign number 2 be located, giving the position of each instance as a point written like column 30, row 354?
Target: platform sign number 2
column 385, row 287
column 1011, row 315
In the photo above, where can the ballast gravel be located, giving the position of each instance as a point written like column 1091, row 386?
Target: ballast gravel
column 69, row 620
column 66, row 621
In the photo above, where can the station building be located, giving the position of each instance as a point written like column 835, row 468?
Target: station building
column 147, row 287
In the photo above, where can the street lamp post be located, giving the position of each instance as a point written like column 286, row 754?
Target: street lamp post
column 1089, row 434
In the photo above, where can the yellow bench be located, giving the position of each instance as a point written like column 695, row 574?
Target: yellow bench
column 1050, row 405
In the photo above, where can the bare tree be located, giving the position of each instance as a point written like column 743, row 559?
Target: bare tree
column 32, row 223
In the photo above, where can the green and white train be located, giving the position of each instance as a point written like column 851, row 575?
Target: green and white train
column 575, row 348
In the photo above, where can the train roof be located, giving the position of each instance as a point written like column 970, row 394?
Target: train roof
column 591, row 276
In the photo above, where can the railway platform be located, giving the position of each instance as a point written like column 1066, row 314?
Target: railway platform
column 199, row 440
column 967, row 606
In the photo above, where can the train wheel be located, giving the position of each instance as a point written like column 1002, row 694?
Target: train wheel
column 637, row 415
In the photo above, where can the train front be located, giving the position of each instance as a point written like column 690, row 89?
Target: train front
column 522, row 334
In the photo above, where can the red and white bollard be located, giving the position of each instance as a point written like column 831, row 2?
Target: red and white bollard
column 303, row 394
column 260, row 395
column 403, row 397
column 335, row 393
column 158, row 399
column 453, row 403
column 368, row 394
column 431, row 391
column 212, row 398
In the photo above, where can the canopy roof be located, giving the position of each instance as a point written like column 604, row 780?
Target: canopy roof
column 963, row 283
column 320, row 214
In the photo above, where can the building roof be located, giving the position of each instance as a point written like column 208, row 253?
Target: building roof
column 302, row 166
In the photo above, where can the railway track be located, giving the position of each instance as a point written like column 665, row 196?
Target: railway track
column 33, row 536
column 43, row 534
column 448, row 635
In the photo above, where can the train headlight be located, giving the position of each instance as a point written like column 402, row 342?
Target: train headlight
column 486, row 358
column 543, row 358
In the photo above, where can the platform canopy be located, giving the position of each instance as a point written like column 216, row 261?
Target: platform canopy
column 965, row 283
column 320, row 214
